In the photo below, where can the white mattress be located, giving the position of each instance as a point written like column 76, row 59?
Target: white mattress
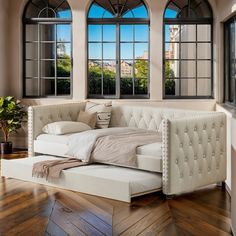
column 101, row 180
column 148, row 156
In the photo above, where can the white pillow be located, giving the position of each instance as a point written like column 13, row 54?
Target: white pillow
column 103, row 113
column 65, row 127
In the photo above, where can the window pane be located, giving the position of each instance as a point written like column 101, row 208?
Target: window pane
column 48, row 32
column 109, row 33
column 204, row 69
column 140, row 12
column 31, row 50
column 63, row 67
column 141, row 32
column 47, row 50
column 188, row 87
column 64, row 50
column 31, row 68
column 172, row 50
column 188, row 69
column 109, row 77
column 94, row 33
column 204, row 51
column 126, row 50
column 95, row 77
column 95, row 51
column 141, row 77
column 126, row 33
column 47, row 87
column 98, row 12
column 64, row 33
column 204, row 87
column 31, row 33
column 109, row 51
column 141, row 51
column 171, row 69
column 170, row 87
column 172, row 33
column 188, row 33
column 47, row 69
column 31, row 87
column 63, row 86
column 188, row 50
column 204, row 32
column 126, row 71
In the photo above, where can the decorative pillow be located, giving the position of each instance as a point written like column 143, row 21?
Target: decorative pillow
column 88, row 118
column 65, row 127
column 103, row 113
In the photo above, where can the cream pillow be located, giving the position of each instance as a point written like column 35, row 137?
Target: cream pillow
column 88, row 118
column 65, row 127
column 103, row 113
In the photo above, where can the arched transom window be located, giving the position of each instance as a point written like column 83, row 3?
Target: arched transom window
column 47, row 48
column 188, row 64
column 118, row 49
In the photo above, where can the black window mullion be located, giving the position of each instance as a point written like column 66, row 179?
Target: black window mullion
column 196, row 61
column 180, row 57
column 118, row 64
column 102, row 64
column 134, row 61
column 39, row 61
column 55, row 56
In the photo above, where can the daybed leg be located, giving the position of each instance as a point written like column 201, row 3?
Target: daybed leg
column 222, row 185
column 170, row 197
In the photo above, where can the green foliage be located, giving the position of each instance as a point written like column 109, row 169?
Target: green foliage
column 169, row 81
column 64, row 66
column 11, row 116
column 109, row 80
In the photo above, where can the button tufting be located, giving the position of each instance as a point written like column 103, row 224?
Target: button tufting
column 186, row 159
column 195, row 157
column 213, row 153
column 204, row 156
column 195, row 128
column 181, row 145
column 213, row 125
column 204, row 127
column 186, row 130
column 209, row 140
column 209, row 169
column 190, row 144
column 181, row 175
column 176, row 161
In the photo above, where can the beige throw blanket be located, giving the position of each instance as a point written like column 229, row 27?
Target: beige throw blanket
column 52, row 169
column 120, row 149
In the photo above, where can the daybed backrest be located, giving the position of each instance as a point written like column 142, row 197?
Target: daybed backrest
column 39, row 116
column 146, row 117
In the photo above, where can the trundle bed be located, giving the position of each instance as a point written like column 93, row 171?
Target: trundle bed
column 192, row 152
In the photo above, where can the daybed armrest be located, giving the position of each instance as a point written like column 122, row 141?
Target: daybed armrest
column 39, row 116
column 194, row 152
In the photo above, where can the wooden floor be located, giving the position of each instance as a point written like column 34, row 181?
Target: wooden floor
column 28, row 209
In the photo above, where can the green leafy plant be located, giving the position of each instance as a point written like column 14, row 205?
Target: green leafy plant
column 12, row 115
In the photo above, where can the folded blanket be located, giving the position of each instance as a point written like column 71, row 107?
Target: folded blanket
column 120, row 149
column 52, row 169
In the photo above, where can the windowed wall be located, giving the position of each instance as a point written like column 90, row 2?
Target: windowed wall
column 152, row 89
column 118, row 50
column 47, row 49
column 188, row 50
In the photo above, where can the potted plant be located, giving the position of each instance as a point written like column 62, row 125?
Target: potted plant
column 11, row 117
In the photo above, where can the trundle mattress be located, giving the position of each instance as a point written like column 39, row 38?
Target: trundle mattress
column 114, row 182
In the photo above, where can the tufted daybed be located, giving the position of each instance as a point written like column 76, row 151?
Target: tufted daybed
column 192, row 153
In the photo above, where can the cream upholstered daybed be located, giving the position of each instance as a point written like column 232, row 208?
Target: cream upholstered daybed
column 192, row 153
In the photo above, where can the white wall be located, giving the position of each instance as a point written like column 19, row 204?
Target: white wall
column 225, row 12
column 3, row 48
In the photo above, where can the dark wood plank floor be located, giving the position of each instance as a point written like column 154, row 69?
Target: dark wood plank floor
column 31, row 209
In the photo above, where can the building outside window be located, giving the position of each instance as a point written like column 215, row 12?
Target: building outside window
column 47, row 49
column 188, row 56
column 118, row 49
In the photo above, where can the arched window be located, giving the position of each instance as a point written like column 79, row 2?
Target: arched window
column 188, row 54
column 118, row 49
column 47, row 48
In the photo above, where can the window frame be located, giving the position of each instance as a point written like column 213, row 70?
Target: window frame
column 228, row 85
column 188, row 21
column 118, row 22
column 39, row 22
